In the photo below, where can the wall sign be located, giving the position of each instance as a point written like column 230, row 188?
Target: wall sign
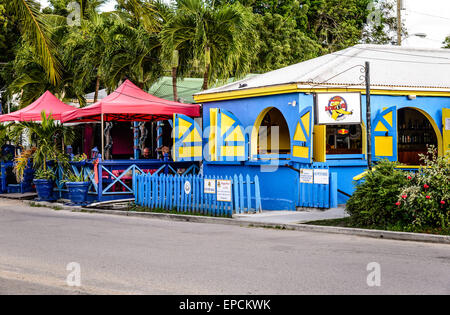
column 338, row 108
column 209, row 186
column 187, row 187
column 224, row 190
column 447, row 123
column 306, row 176
column 321, row 176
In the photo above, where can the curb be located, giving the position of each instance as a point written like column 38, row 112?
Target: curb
column 391, row 235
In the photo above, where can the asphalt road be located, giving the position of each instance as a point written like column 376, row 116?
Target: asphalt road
column 147, row 256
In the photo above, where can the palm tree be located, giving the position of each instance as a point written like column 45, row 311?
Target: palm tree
column 223, row 37
column 133, row 52
column 84, row 53
column 35, row 31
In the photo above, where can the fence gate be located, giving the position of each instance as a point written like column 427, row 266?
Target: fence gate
column 317, row 187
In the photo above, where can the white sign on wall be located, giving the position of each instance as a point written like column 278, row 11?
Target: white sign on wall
column 321, row 176
column 338, row 108
column 187, row 187
column 209, row 186
column 224, row 190
column 306, row 176
column 447, row 123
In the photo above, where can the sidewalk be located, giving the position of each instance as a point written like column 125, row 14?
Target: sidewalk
column 286, row 217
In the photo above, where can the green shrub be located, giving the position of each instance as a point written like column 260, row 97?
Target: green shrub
column 374, row 201
column 426, row 195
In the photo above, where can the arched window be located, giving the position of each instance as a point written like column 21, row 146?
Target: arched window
column 415, row 132
column 270, row 137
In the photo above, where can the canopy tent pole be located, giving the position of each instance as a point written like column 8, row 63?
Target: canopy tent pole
column 103, row 137
column 136, row 140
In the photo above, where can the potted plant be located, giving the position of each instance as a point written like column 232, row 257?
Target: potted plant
column 47, row 136
column 44, row 179
column 78, row 186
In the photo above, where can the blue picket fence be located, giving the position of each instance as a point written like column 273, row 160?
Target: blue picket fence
column 313, row 195
column 186, row 194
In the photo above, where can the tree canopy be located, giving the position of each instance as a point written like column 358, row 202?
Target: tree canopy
column 71, row 48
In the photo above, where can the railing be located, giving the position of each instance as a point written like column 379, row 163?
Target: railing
column 207, row 195
column 113, row 179
column 24, row 186
column 408, row 168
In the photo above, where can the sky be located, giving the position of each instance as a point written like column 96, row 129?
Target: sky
column 430, row 17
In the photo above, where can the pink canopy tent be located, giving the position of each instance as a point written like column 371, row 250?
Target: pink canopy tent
column 47, row 102
column 130, row 103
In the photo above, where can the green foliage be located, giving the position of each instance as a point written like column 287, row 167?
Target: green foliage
column 446, row 42
column 373, row 202
column 215, row 39
column 219, row 41
column 399, row 200
column 282, row 44
column 71, row 177
column 426, row 195
column 80, row 157
column 384, row 31
column 47, row 136
column 35, row 31
column 46, row 174
column 21, row 162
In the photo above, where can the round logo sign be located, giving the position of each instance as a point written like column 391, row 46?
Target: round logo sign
column 337, row 108
column 187, row 187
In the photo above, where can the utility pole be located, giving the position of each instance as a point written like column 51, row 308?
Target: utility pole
column 368, row 116
column 399, row 22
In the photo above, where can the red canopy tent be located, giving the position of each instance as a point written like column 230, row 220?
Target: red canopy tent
column 47, row 102
column 130, row 103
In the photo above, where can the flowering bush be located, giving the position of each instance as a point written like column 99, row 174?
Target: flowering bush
column 374, row 201
column 426, row 195
column 394, row 199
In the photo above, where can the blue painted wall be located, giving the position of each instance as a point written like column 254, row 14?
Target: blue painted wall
column 279, row 189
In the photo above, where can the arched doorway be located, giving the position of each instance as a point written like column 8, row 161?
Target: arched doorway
column 270, row 136
column 414, row 132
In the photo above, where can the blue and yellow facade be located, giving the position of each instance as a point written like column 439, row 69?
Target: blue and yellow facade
column 231, row 122
column 410, row 108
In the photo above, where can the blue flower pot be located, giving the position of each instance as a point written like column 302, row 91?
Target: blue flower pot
column 78, row 192
column 44, row 188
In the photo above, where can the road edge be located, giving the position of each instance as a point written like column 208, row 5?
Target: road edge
column 380, row 234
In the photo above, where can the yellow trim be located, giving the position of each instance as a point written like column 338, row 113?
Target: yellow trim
column 301, row 152
column 292, row 88
column 363, row 174
column 384, row 146
column 320, row 143
column 445, row 133
column 212, row 141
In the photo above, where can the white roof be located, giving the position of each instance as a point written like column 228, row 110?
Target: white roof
column 391, row 68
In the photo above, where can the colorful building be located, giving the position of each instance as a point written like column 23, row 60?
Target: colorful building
column 410, row 108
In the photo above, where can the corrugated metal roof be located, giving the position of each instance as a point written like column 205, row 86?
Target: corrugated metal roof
column 391, row 68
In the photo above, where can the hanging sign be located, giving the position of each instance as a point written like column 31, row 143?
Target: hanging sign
column 224, row 190
column 209, row 186
column 321, row 176
column 338, row 108
column 306, row 176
